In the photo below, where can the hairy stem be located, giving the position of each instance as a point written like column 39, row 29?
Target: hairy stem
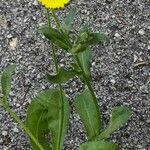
column 56, row 19
column 60, row 86
column 48, row 18
column 58, row 24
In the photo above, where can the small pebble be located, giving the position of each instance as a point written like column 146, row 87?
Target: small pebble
column 13, row 43
column 141, row 32
column 9, row 36
column 117, row 35
column 15, row 130
column 35, row 2
column 4, row 133
column 113, row 81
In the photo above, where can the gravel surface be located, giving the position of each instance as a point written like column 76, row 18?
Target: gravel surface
column 121, row 69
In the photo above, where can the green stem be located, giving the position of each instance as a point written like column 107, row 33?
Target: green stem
column 61, row 94
column 22, row 125
column 60, row 86
column 58, row 24
column 48, row 18
column 56, row 19
column 54, row 57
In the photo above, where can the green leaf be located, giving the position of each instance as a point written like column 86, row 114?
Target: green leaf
column 57, row 128
column 43, row 113
column 69, row 19
column 6, row 80
column 36, row 120
column 55, row 36
column 99, row 145
column 120, row 115
column 62, row 76
column 37, row 123
column 88, row 113
column 85, row 61
column 82, row 43
column 86, row 38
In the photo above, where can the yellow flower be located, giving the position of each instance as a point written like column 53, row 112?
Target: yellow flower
column 54, row 3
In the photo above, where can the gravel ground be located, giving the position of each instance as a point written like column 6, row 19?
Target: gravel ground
column 121, row 69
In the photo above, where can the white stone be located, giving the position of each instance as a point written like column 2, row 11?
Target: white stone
column 141, row 32
column 15, row 129
column 13, row 43
column 93, row 63
column 1, row 140
column 38, row 76
column 135, row 58
column 117, row 35
column 17, row 105
column 4, row 133
column 62, row 65
column 35, row 3
column 113, row 81
column 9, row 36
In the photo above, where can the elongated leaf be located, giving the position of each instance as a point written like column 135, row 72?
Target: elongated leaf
column 85, row 61
column 99, row 145
column 120, row 115
column 41, row 115
column 88, row 113
column 69, row 19
column 6, row 80
column 57, row 124
column 62, row 76
column 56, row 37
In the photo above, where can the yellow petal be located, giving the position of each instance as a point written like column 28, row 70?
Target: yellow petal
column 54, row 3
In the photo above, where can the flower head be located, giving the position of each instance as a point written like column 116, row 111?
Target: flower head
column 54, row 3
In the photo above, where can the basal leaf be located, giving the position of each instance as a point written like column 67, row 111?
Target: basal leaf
column 62, row 76
column 41, row 115
column 69, row 19
column 88, row 114
column 98, row 145
column 57, row 124
column 55, row 36
column 85, row 61
column 119, row 116
column 6, row 79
